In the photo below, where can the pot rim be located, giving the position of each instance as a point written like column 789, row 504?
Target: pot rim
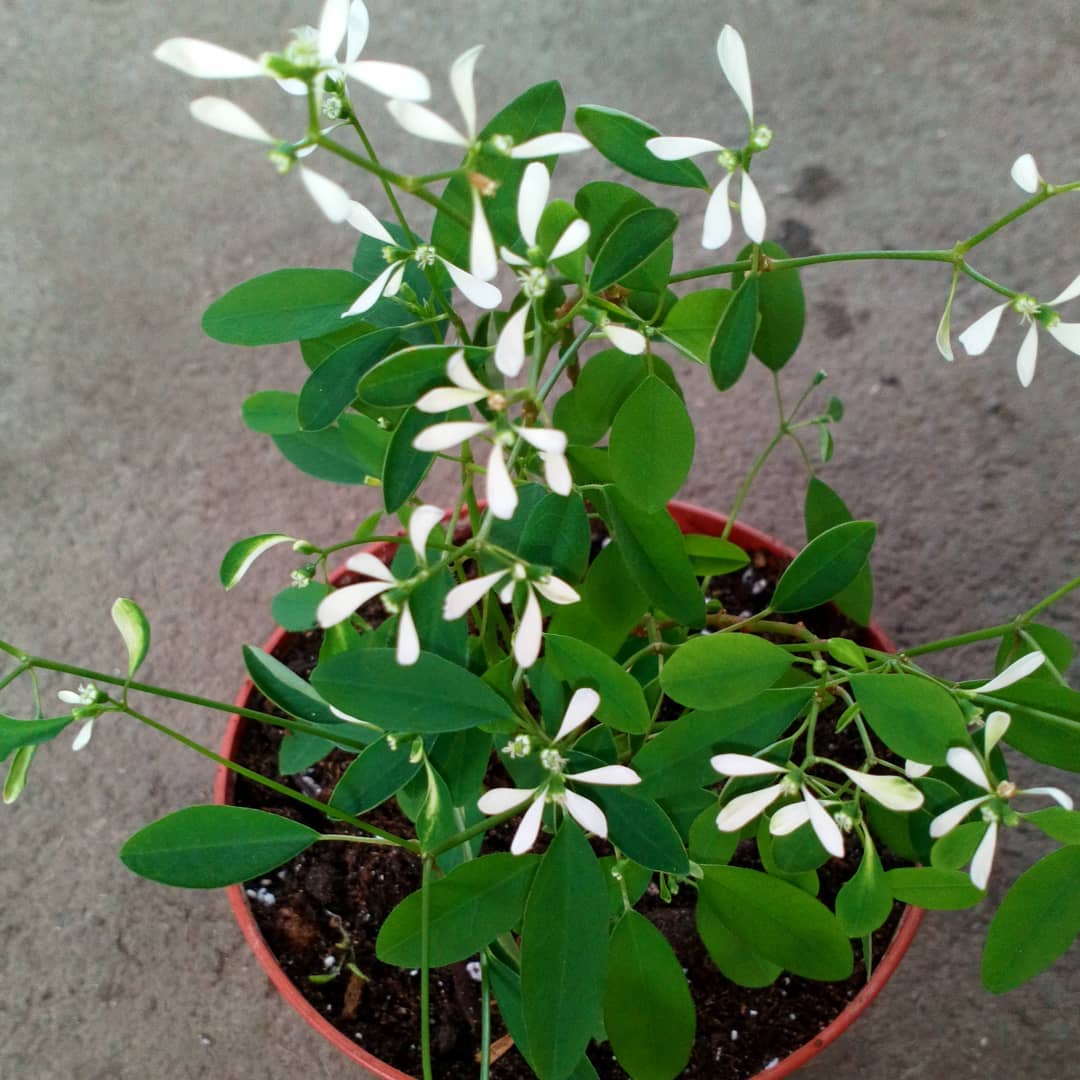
column 690, row 518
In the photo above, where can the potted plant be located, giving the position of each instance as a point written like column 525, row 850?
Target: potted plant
column 565, row 659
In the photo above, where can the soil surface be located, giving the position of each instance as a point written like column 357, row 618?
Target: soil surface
column 321, row 913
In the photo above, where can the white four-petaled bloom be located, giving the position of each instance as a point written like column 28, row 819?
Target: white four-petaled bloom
column 340, row 604
column 87, row 694
column 313, row 50
column 964, row 762
column 530, row 631
column 977, row 337
column 584, row 811
column 731, row 53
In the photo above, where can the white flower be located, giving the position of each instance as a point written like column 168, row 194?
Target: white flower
column 314, row 52
column 87, row 694
column 529, row 633
column 330, row 197
column 964, row 762
column 1025, row 174
column 622, row 337
column 532, row 199
column 977, row 337
column 553, row 790
column 340, row 604
column 717, row 230
column 1017, row 670
column 893, row 792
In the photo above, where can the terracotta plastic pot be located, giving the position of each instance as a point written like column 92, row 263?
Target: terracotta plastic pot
column 691, row 519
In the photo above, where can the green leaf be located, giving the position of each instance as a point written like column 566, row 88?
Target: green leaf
column 779, row 921
column 782, row 308
column 15, row 734
column 332, row 454
column 1045, row 721
column 243, row 553
column 564, row 945
column 207, row 847
column 403, row 377
column 1037, row 921
column 824, row 509
column 621, row 138
column 634, row 878
column 736, row 960
column 134, row 629
column 651, row 544
column 557, row 534
column 913, row 716
column 631, row 243
column 692, row 323
column 470, row 907
column 271, row 412
column 376, row 774
column 933, row 888
column 652, row 445
column 432, row 695
column 15, row 781
column 1058, row 823
column 865, row 901
column 831, row 561
column 607, row 379
column 847, row 652
column 956, row 848
column 720, row 670
column 294, row 609
column 730, row 349
column 708, row 845
column 448, row 638
column 555, row 220
column 298, row 752
column 284, row 305
column 462, row 757
column 290, row 693
column 639, row 828
column 646, row 993
column 331, row 388
column 710, row 555
column 622, row 701
column 405, row 466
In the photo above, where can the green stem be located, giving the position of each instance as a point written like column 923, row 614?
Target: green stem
column 387, row 188
column 425, row 968
column 349, row 839
column 1053, row 598
column 256, row 778
column 564, row 359
column 485, row 1018
column 12, row 675
column 960, row 639
column 478, row 829
column 748, row 480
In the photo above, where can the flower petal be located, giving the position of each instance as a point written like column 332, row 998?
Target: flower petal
column 751, row 210
column 403, row 84
column 483, row 258
column 333, row 23
column 204, row 60
column 574, row 236
column 444, row 398
column 331, row 198
column 550, row 440
column 943, row 337
column 529, row 829
column 744, row 765
column 443, row 436
column 744, row 808
column 532, row 198
column 677, row 147
column 529, row 633
column 582, row 705
column 607, row 776
column 218, row 113
column 961, row 760
column 731, row 52
column 826, row 830
column 977, row 337
column 1070, row 292
column 422, row 122
column 372, row 294
column 501, row 494
column 717, row 228
column 408, row 642
column 789, row 818
column 364, row 221
column 511, row 258
column 945, row 823
column 70, row 697
column 499, row 800
column 422, row 520
column 1025, row 174
column 371, row 566
column 82, row 738
column 892, row 792
column 510, row 347
column 359, row 23
column 460, row 374
column 916, row 769
column 997, row 723
column 1055, row 793
column 341, row 603
column 1028, row 354
column 481, row 293
column 983, row 860
column 557, row 473
column 1067, row 335
column 586, row 813
column 556, row 590
column 556, row 142
column 461, row 83
column 624, row 338
column 1017, row 670
column 462, row 597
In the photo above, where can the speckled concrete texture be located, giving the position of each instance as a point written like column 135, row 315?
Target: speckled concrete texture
column 125, row 469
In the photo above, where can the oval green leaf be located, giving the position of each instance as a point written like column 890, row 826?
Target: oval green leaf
column 933, row 888
column 733, row 956
column 631, row 243
column 865, row 901
column 622, row 701
column 134, row 629
column 826, row 565
column 719, row 670
column 15, row 734
column 730, row 348
column 243, row 553
column 331, row 388
column 823, row 509
column 782, row 307
column 692, row 322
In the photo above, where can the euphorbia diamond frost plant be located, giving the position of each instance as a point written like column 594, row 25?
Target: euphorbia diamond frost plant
column 552, row 649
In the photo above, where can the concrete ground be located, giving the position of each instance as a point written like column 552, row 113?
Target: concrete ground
column 125, row 469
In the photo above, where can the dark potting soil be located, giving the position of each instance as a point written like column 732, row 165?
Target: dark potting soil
column 322, row 912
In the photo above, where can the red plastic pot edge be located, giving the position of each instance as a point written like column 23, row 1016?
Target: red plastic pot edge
column 690, row 518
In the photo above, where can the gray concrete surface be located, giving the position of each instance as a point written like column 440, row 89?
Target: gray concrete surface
column 125, row 469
